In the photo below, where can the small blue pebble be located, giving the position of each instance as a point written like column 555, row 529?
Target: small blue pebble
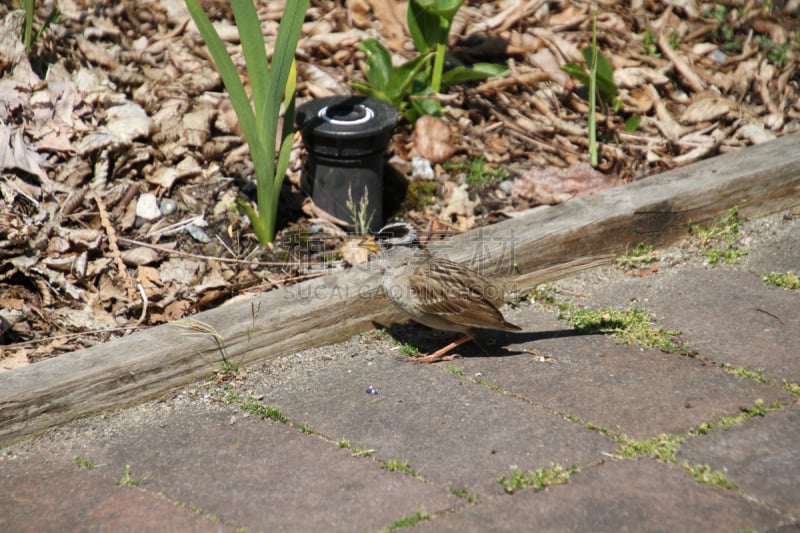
column 369, row 390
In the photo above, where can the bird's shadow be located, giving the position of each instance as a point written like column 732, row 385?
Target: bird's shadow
column 487, row 343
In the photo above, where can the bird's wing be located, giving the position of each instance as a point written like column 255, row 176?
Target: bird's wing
column 456, row 294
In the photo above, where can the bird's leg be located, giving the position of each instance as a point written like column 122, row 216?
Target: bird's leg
column 439, row 355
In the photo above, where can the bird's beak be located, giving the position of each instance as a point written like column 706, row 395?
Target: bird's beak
column 369, row 243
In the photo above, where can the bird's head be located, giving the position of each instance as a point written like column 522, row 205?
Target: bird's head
column 392, row 235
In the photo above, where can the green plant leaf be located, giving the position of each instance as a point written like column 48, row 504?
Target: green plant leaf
column 368, row 90
column 606, row 86
column 478, row 71
column 403, row 76
column 229, row 75
column 258, row 225
column 427, row 28
column 270, row 85
column 443, row 8
column 429, row 24
column 604, row 67
column 255, row 55
column 632, row 122
column 424, row 106
column 576, row 72
column 379, row 64
column 282, row 64
column 27, row 35
column 593, row 62
column 391, row 85
column 286, row 142
column 289, row 93
column 605, row 74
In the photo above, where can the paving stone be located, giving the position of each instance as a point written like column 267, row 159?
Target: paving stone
column 630, row 495
column 43, row 492
column 710, row 306
column 760, row 455
column 260, row 475
column 722, row 303
column 640, row 393
column 449, row 429
column 777, row 247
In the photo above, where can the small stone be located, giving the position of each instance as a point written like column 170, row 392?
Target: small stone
column 168, row 206
column 147, row 207
column 198, row 234
column 421, row 169
column 506, row 186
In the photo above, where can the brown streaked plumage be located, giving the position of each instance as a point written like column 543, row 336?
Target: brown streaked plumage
column 435, row 291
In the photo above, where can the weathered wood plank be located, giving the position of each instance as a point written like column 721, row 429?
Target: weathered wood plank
column 545, row 243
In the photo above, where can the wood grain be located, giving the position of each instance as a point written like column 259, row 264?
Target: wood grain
column 544, row 243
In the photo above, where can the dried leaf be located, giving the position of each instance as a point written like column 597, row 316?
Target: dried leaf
column 173, row 311
column 460, row 209
column 16, row 154
column 180, row 270
column 149, row 278
column 707, row 108
column 141, row 255
column 128, row 121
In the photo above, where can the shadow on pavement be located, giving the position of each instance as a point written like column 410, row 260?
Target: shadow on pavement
column 489, row 342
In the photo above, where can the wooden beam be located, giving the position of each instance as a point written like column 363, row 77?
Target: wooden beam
column 545, row 243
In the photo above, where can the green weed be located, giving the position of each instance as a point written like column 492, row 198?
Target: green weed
column 127, row 479
column 406, row 521
column 629, row 326
column 394, row 465
column 642, row 254
column 409, row 350
column 537, row 479
column 477, row 173
column 719, row 242
column 464, row 494
column 757, row 409
column 788, row 280
column 355, row 450
column 83, row 463
column 229, row 396
column 663, row 447
column 705, row 475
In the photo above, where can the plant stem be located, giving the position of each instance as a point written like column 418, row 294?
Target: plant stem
column 593, row 95
column 27, row 38
column 438, row 67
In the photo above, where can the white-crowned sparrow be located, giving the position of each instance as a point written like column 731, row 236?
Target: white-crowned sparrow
column 434, row 291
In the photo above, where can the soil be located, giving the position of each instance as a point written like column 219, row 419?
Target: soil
column 117, row 104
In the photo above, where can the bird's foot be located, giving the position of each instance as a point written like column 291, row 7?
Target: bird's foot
column 428, row 359
column 440, row 355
